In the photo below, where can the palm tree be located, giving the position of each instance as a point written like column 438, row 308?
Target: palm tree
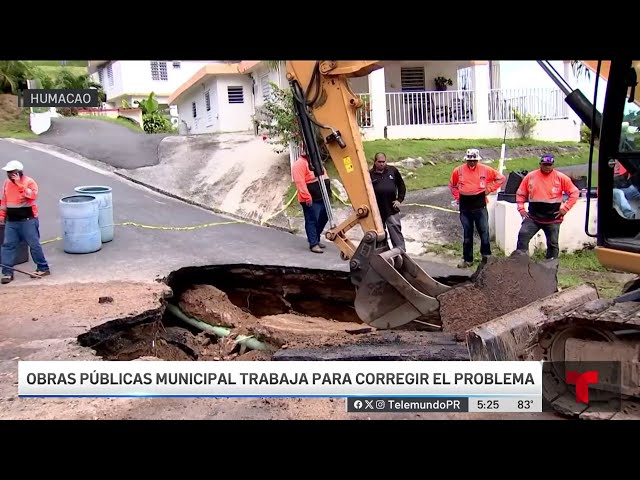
column 14, row 75
column 580, row 69
column 70, row 81
column 274, row 65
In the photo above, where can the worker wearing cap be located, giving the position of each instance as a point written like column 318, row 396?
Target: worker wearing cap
column 544, row 190
column 470, row 184
column 19, row 214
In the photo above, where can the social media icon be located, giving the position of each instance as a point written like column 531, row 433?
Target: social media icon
column 357, row 404
column 369, row 404
column 380, row 404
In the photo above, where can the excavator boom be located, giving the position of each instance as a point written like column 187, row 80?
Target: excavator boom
column 391, row 289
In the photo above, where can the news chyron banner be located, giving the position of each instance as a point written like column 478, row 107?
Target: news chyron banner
column 450, row 386
column 367, row 387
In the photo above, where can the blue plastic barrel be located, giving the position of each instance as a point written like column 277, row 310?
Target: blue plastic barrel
column 105, row 204
column 80, row 226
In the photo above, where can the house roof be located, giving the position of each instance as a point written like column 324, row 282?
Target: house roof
column 207, row 70
column 604, row 72
column 248, row 66
column 593, row 66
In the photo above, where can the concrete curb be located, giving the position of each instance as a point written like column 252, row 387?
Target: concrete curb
column 202, row 205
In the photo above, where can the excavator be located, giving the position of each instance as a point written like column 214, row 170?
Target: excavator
column 393, row 290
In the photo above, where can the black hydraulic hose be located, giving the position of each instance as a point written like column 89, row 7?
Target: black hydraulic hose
column 591, row 147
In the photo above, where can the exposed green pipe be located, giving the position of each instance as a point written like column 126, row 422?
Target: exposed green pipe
column 243, row 340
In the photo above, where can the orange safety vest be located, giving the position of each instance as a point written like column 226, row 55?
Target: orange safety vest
column 14, row 196
column 304, row 177
column 467, row 181
column 545, row 195
column 618, row 169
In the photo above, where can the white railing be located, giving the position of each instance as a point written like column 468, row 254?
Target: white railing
column 294, row 154
column 542, row 103
column 363, row 114
column 430, row 108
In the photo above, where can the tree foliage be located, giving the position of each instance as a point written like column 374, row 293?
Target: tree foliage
column 276, row 118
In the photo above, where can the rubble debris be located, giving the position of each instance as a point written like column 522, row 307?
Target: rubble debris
column 499, row 286
column 373, row 352
column 508, row 337
column 389, row 345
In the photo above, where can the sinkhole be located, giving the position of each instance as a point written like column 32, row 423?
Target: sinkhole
column 247, row 312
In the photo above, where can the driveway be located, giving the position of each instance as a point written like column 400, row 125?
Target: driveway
column 101, row 140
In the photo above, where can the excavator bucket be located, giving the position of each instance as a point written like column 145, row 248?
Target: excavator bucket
column 394, row 291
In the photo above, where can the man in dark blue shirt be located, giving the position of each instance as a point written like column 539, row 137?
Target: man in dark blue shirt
column 390, row 191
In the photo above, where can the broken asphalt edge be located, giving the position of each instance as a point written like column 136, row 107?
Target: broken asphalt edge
column 97, row 165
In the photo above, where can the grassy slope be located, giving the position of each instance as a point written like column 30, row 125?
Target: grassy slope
column 437, row 175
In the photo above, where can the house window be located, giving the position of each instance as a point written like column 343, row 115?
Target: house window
column 176, row 65
column 235, row 94
column 159, row 71
column 194, row 110
column 266, row 87
column 412, row 79
column 207, row 101
column 110, row 74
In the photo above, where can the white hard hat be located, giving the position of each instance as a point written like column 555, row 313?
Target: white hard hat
column 473, row 154
column 13, row 165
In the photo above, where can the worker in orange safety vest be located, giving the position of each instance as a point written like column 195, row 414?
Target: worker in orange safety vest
column 19, row 214
column 470, row 184
column 544, row 190
column 310, row 199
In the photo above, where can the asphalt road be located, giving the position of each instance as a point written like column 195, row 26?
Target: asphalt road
column 115, row 145
column 145, row 254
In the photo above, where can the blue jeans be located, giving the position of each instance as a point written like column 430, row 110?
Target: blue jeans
column 315, row 219
column 14, row 234
column 480, row 219
column 621, row 197
column 551, row 232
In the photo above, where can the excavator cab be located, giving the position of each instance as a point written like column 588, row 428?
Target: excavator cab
column 618, row 235
column 391, row 288
column 575, row 324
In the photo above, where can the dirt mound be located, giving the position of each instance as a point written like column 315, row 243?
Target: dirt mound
column 9, row 109
column 212, row 306
column 499, row 286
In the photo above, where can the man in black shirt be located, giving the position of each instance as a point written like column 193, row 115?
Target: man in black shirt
column 390, row 190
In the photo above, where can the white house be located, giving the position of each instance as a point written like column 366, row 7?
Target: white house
column 478, row 99
column 133, row 80
column 224, row 97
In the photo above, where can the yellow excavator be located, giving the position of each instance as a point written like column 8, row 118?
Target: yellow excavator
column 392, row 290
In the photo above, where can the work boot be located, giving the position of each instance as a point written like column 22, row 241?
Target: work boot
column 6, row 279
column 41, row 273
column 316, row 249
column 465, row 264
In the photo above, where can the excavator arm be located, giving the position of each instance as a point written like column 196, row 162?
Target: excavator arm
column 391, row 289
